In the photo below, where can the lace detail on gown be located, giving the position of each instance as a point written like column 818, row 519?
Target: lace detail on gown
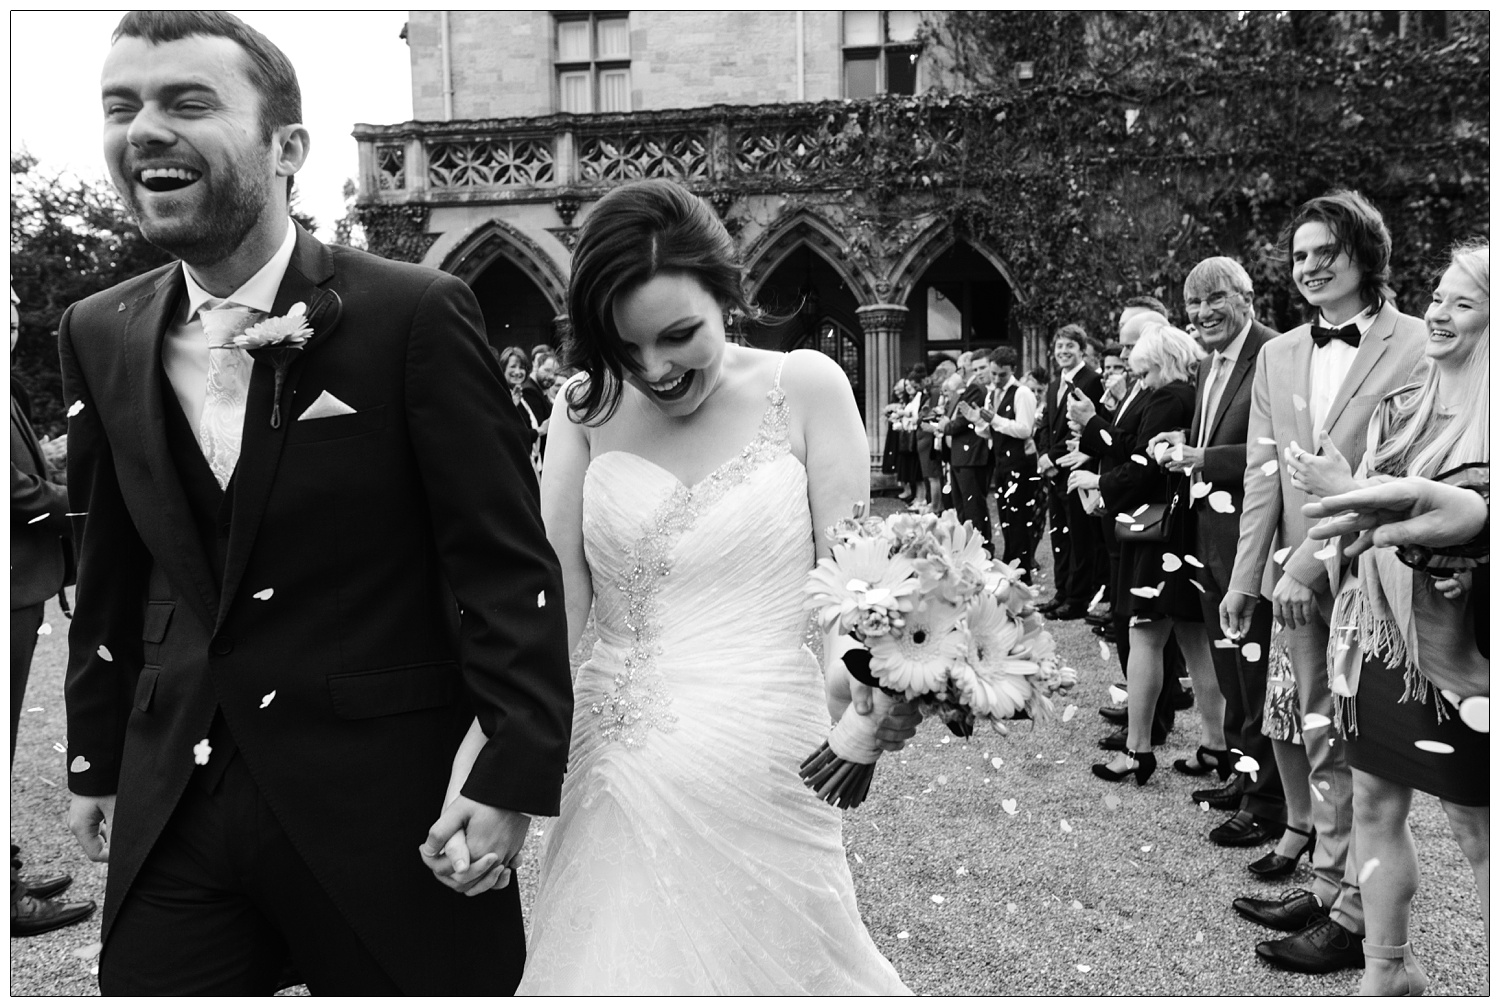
column 688, row 858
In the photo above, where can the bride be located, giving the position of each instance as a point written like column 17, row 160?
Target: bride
column 688, row 486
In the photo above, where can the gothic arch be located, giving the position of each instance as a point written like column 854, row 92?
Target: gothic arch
column 493, row 239
column 926, row 249
column 805, row 228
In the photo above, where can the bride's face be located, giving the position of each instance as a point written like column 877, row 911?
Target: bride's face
column 673, row 331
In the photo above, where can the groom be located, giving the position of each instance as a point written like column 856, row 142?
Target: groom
column 299, row 580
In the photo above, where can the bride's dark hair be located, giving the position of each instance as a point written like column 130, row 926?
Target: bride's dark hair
column 634, row 233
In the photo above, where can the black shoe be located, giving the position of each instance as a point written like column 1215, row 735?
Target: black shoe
column 30, row 916
column 1145, row 765
column 1225, row 798
column 47, row 888
column 1294, row 911
column 1322, row 946
column 1119, row 715
column 1184, row 700
column 1274, row 865
column 1201, row 765
column 1065, row 612
column 1244, row 831
column 1102, row 619
column 1050, row 605
column 1115, row 742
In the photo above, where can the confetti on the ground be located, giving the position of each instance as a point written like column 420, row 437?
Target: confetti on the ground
column 1313, row 721
column 1077, row 906
column 1436, row 747
column 47, row 781
column 1202, row 805
column 88, row 951
column 57, row 746
column 265, row 700
column 264, row 595
column 1220, row 501
column 937, row 900
column 1475, row 712
column 1082, row 968
column 1009, row 805
column 1069, row 712
column 1010, row 907
column 45, row 629
column 858, row 859
column 1146, row 848
column 945, row 740
column 942, row 781
column 201, row 751
column 1117, row 694
column 75, row 409
column 997, row 762
column 1103, row 651
column 903, row 935
column 1111, row 802
column 1368, row 869
column 1064, row 826
column 1170, row 562
column 79, row 765
column 962, row 870
column 104, row 653
column 1251, row 651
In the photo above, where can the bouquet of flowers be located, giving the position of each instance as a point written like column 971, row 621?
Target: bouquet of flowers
column 942, row 625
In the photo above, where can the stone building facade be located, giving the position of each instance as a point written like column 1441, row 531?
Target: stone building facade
column 524, row 119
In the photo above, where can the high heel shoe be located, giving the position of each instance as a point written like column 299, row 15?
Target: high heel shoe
column 1274, row 865
column 1145, row 765
column 1222, row 764
column 1416, row 978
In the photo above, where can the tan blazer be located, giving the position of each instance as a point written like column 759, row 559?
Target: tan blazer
column 1390, row 355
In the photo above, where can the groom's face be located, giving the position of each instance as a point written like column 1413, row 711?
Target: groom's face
column 185, row 145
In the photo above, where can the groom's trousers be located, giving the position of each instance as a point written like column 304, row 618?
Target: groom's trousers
column 224, row 905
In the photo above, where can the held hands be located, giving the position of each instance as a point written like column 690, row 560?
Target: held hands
column 1407, row 511
column 1292, row 602
column 466, row 828
column 1319, row 475
column 90, row 820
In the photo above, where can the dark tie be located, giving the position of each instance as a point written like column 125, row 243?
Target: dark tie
column 1348, row 333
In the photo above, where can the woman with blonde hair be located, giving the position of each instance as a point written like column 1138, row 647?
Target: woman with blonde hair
column 1410, row 679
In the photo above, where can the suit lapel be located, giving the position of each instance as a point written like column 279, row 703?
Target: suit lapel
column 175, row 545
column 260, row 447
column 1301, row 376
column 1371, row 348
column 1200, row 394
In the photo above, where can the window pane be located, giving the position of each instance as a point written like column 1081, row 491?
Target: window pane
column 572, row 41
column 859, row 76
column 614, row 91
column 861, row 27
column 900, row 72
column 614, row 38
column 945, row 322
column 901, row 25
column 573, row 92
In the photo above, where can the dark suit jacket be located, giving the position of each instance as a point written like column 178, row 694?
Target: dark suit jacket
column 1112, row 441
column 39, row 528
column 387, row 577
column 971, row 448
column 1130, row 484
column 1052, row 432
column 1218, row 534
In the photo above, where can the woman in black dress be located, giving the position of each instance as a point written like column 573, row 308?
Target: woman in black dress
column 1157, row 584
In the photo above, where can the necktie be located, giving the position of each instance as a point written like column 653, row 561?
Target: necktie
column 1347, row 333
column 1211, row 400
column 229, row 367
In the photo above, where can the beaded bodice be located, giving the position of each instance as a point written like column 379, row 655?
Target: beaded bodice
column 683, row 575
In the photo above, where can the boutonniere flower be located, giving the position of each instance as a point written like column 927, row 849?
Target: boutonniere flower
column 277, row 341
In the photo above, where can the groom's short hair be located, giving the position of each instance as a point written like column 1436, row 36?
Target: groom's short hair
column 271, row 73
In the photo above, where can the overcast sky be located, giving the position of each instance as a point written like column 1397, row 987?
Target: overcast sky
column 352, row 65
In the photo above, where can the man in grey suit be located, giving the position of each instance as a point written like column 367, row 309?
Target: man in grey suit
column 1317, row 383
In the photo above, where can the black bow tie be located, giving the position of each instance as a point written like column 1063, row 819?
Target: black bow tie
column 1348, row 333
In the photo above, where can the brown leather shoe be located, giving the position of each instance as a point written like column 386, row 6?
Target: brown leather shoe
column 30, row 915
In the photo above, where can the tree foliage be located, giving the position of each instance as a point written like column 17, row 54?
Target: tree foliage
column 1151, row 140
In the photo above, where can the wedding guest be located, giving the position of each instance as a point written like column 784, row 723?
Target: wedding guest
column 1315, row 385
column 40, row 564
column 538, row 392
column 953, row 390
column 909, row 471
column 1013, row 422
column 1220, row 299
column 972, row 451
column 929, row 414
column 1160, row 599
column 1408, row 675
column 512, row 361
column 1075, row 567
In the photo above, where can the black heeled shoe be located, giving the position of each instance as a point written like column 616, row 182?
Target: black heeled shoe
column 1222, row 764
column 1274, row 865
column 1145, row 765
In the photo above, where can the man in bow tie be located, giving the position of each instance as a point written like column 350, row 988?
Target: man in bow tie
column 300, row 580
column 1313, row 391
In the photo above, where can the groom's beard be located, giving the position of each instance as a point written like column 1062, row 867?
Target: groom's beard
column 232, row 202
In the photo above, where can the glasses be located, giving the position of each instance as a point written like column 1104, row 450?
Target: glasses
column 1114, row 368
column 1214, row 302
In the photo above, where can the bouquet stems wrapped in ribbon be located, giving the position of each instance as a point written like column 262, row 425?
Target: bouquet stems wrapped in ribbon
column 942, row 625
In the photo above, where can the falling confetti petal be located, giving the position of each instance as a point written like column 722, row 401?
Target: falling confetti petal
column 1246, row 764
column 201, row 751
column 1124, row 519
column 1475, row 711
column 937, row 900
column 1319, row 795
column 1069, row 713
column 541, row 599
column 57, row 746
column 39, row 518
column 1103, row 651
column 1280, row 555
column 75, row 409
column 1436, row 747
column 88, row 951
column 1200, row 587
column 903, row 935
column 80, row 765
column 1111, row 802
column 1063, row 824
column 1325, row 785
column 1098, row 596
column 104, row 653
column 1299, row 402
column 1368, row 869
column 997, row 762
column 1008, row 805
column 1268, row 441
column 1192, row 560
column 1200, row 490
column 1170, row 563
column 1224, row 644
column 1139, row 459
column 1327, row 552
column 1117, row 694
column 45, row 629
column 264, row 595
column 1145, row 592
column 1106, row 438
column 1220, row 501
column 1313, row 721
column 1251, row 651
column 265, row 700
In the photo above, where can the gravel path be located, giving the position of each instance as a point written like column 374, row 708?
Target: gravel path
column 963, row 897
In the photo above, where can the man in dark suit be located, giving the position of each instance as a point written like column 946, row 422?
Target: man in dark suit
column 39, row 565
column 1012, row 421
column 1074, row 539
column 1220, row 302
column 972, row 453
column 303, row 574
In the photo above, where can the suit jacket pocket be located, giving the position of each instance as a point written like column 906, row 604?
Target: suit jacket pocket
column 145, row 687
column 329, row 428
column 357, row 695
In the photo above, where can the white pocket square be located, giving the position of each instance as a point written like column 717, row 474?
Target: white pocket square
column 327, row 404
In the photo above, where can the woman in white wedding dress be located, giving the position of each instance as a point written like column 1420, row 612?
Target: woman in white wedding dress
column 688, row 485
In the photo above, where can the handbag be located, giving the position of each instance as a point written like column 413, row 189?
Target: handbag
column 1152, row 522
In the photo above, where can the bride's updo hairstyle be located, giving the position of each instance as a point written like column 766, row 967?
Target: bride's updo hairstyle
column 634, row 233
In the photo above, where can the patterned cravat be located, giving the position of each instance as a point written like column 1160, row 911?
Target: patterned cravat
column 229, row 367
